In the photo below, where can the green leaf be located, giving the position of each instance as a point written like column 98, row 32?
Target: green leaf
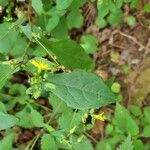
column 29, row 118
column 147, row 7
column 147, row 114
column 38, row 6
column 61, row 30
column 10, row 40
column 131, row 20
column 103, row 8
column 27, row 31
column 135, row 110
column 58, row 105
column 7, row 121
column 74, row 19
column 138, row 145
column 146, row 131
column 48, row 142
column 115, row 87
column 7, row 142
column 115, row 18
column 100, row 22
column 89, row 43
column 63, row 4
column 124, row 121
column 126, row 145
column 2, row 107
column 69, row 53
column 5, row 73
column 52, row 23
column 104, row 144
column 81, row 90
column 109, row 129
column 76, row 4
column 84, row 145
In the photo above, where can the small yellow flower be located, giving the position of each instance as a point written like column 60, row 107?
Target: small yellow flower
column 40, row 65
column 100, row 116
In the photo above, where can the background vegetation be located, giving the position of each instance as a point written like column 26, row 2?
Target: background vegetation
column 74, row 74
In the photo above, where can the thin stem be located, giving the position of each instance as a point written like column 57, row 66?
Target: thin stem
column 34, row 142
column 91, row 137
column 46, row 50
column 75, row 112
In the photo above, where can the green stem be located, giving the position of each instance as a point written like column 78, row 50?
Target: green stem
column 46, row 50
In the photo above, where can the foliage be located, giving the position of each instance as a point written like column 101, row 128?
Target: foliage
column 40, row 62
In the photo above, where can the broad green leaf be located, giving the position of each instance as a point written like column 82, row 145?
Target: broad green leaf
column 146, row 131
column 7, row 121
column 5, row 72
column 38, row 6
column 48, row 142
column 63, row 4
column 89, row 43
column 69, row 53
column 29, row 118
column 126, row 145
column 81, row 90
column 124, row 121
column 74, row 19
column 52, row 23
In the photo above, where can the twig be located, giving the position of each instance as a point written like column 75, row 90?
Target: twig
column 91, row 137
column 129, row 37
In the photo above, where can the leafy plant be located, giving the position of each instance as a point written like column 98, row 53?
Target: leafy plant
column 47, row 80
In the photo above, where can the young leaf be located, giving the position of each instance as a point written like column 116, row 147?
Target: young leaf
column 126, row 145
column 124, row 121
column 7, row 121
column 48, row 142
column 89, row 43
column 81, row 90
column 69, row 53
column 74, row 19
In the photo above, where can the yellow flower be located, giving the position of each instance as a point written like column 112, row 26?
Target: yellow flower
column 40, row 65
column 100, row 116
